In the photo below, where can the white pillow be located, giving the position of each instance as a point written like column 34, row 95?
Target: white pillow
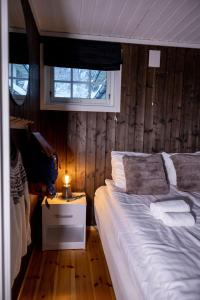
column 169, row 165
column 118, row 174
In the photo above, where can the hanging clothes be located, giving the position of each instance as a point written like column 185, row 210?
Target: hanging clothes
column 20, row 213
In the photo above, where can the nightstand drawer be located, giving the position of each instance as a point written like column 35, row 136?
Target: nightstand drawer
column 64, row 214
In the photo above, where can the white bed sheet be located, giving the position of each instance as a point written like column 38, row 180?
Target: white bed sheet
column 164, row 260
column 125, row 285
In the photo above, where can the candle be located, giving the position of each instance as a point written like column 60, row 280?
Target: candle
column 67, row 180
column 66, row 189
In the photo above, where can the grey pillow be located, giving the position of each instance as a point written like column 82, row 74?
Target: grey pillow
column 188, row 172
column 145, row 175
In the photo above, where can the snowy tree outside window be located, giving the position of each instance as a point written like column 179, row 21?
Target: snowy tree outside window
column 75, row 89
column 18, row 79
column 78, row 83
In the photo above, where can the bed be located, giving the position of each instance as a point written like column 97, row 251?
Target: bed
column 147, row 259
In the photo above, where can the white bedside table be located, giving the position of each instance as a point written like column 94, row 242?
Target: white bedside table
column 64, row 223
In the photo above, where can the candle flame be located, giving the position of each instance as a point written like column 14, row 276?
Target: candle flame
column 67, row 179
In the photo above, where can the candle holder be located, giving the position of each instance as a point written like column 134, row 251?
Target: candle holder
column 66, row 188
column 66, row 192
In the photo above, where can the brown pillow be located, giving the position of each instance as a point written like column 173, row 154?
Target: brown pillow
column 145, row 175
column 188, row 172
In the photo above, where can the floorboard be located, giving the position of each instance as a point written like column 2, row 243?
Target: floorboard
column 69, row 274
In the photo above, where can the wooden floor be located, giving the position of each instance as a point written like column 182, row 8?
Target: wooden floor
column 69, row 274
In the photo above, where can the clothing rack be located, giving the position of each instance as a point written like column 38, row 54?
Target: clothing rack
column 18, row 123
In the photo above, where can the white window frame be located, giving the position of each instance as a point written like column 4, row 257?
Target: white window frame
column 110, row 104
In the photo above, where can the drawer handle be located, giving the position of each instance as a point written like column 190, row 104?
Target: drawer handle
column 64, row 216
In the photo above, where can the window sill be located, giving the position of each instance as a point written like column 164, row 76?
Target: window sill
column 80, row 107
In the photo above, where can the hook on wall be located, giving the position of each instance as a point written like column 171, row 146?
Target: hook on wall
column 115, row 118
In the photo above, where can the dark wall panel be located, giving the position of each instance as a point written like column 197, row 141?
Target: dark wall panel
column 160, row 110
column 30, row 109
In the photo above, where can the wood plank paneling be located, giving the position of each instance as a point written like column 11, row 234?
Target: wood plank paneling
column 177, row 102
column 71, row 147
column 81, row 150
column 100, row 149
column 149, row 110
column 90, row 163
column 159, row 113
column 84, row 140
column 132, row 94
column 110, row 141
column 140, row 98
column 168, row 100
column 140, row 126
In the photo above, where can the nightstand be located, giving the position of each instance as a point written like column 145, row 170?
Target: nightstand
column 63, row 223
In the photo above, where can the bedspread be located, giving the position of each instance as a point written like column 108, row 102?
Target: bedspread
column 165, row 260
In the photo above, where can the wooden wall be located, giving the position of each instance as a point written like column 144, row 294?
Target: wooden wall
column 160, row 110
column 29, row 110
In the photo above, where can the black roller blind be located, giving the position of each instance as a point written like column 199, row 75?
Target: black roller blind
column 18, row 48
column 84, row 54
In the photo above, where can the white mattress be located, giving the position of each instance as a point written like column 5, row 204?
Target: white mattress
column 162, row 262
column 125, row 286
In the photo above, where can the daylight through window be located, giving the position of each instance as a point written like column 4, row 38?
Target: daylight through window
column 18, row 79
column 68, row 83
column 75, row 89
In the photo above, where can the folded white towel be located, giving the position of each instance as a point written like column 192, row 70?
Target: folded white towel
column 168, row 206
column 157, row 214
column 177, row 219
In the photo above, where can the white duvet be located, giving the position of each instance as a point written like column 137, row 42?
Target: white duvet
column 165, row 260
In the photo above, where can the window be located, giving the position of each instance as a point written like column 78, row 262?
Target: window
column 80, row 89
column 67, row 83
column 18, row 79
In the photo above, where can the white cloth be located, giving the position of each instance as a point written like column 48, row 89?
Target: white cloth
column 165, row 260
column 173, row 213
column 169, row 165
column 177, row 219
column 169, row 206
column 20, row 226
column 20, row 231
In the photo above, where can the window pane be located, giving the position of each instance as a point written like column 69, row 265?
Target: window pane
column 20, row 71
column 98, row 91
column 98, row 76
column 80, row 75
column 62, row 74
column 20, row 86
column 80, row 90
column 9, row 70
column 62, row 89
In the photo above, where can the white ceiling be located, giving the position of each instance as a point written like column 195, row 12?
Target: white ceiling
column 164, row 22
